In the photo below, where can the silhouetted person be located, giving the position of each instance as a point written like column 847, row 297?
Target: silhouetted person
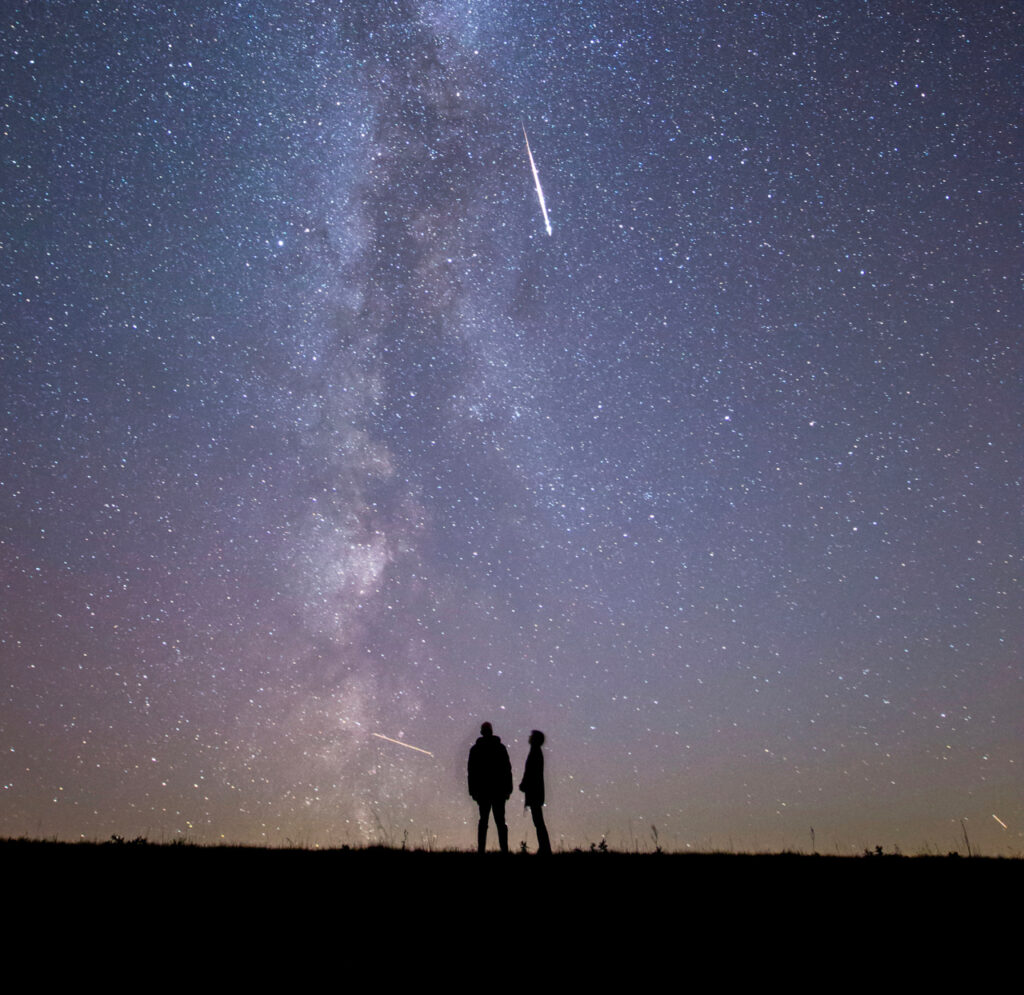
column 532, row 786
column 490, row 784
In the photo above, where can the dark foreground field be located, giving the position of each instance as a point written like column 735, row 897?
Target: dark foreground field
column 581, row 919
column 195, row 916
column 126, row 875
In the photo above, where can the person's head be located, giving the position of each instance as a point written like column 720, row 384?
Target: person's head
column 486, row 730
column 536, row 738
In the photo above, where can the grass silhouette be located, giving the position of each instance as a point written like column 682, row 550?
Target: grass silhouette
column 351, row 889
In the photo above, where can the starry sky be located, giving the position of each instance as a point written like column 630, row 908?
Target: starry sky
column 312, row 434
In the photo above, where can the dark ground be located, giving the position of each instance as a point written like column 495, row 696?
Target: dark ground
column 126, row 876
column 152, row 917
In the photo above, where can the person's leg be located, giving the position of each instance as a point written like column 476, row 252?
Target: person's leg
column 481, row 828
column 543, row 842
column 499, row 821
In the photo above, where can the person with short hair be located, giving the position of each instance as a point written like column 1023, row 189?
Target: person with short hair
column 532, row 785
column 490, row 784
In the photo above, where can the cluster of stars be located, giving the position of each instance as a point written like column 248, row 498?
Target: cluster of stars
column 315, row 441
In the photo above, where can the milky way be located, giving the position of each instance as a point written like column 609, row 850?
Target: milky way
column 313, row 441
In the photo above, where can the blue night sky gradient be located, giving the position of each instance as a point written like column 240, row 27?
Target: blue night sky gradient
column 311, row 432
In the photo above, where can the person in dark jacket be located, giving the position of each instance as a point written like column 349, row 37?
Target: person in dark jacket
column 490, row 784
column 532, row 785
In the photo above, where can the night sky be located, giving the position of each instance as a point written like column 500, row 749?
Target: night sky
column 312, row 434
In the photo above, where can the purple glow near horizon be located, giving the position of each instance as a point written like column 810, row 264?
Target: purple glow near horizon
column 314, row 439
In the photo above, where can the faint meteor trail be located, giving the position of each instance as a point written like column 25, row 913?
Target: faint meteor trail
column 536, row 178
column 408, row 746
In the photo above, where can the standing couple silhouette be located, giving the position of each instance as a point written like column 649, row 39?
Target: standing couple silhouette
column 490, row 786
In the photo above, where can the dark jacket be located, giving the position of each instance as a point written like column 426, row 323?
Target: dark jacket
column 490, row 771
column 532, row 784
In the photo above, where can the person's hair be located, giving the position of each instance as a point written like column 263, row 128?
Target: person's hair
column 536, row 738
column 486, row 730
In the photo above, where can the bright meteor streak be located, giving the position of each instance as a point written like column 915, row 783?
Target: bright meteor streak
column 1000, row 821
column 536, row 179
column 398, row 742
